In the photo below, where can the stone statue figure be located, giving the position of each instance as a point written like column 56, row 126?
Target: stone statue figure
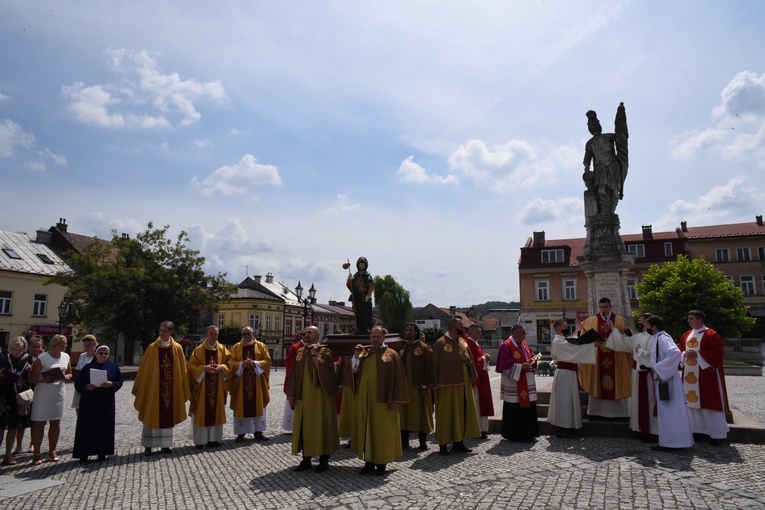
column 362, row 288
column 608, row 154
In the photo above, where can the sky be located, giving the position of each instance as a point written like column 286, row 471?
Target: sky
column 431, row 137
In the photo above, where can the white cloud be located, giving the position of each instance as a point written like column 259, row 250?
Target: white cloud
column 58, row 159
column 738, row 132
column 721, row 203
column 342, row 205
column 203, row 144
column 512, row 165
column 145, row 98
column 410, row 171
column 35, row 166
column 3, row 97
column 743, row 98
column 11, row 136
column 89, row 105
column 237, row 179
column 566, row 211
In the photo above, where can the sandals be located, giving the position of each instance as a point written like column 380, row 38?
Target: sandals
column 8, row 461
column 37, row 460
column 52, row 457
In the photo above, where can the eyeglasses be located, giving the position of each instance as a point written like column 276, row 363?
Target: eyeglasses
column 246, row 334
column 99, row 353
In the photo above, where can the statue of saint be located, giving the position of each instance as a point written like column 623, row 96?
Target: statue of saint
column 362, row 288
column 608, row 154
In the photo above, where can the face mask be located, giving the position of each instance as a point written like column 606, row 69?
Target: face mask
column 564, row 331
column 649, row 331
column 460, row 332
column 639, row 327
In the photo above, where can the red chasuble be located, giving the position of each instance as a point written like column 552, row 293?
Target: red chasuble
column 521, row 355
column 607, row 362
column 211, row 388
column 165, row 387
column 249, row 384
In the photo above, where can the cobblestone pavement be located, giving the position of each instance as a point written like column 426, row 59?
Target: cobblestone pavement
column 552, row 473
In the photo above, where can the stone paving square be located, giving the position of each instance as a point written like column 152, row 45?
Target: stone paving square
column 583, row 473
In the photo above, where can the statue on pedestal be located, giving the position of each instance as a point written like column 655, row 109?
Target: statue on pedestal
column 362, row 287
column 608, row 154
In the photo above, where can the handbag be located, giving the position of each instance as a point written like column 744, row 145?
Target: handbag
column 25, row 398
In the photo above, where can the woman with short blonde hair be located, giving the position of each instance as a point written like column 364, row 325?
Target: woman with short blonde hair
column 50, row 393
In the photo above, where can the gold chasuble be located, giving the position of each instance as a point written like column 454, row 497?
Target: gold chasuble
column 610, row 378
column 208, row 397
column 313, row 384
column 161, row 386
column 456, row 416
column 250, row 391
column 376, row 430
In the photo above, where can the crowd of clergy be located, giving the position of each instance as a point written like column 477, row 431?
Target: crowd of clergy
column 378, row 397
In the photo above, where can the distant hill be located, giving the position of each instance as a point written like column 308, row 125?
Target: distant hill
column 482, row 309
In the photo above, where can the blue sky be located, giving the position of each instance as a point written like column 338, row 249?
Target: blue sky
column 431, row 137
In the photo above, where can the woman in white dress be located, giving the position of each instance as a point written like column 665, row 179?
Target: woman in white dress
column 50, row 393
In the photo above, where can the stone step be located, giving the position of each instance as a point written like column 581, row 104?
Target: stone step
column 742, row 429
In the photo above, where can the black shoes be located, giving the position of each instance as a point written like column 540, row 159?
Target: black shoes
column 460, row 447
column 368, row 468
column 304, row 464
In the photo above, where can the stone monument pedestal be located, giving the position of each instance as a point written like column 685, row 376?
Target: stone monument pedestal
column 607, row 277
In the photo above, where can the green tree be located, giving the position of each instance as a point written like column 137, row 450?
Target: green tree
column 128, row 286
column 433, row 334
column 673, row 289
column 393, row 302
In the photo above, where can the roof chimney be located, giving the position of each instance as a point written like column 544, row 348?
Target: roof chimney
column 43, row 236
column 61, row 225
column 759, row 219
column 257, row 279
column 125, row 236
column 647, row 231
column 539, row 238
column 269, row 278
column 684, row 226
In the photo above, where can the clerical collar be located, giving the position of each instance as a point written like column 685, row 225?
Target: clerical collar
column 249, row 341
column 213, row 346
column 699, row 330
column 163, row 343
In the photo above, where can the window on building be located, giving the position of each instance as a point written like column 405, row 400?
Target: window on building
column 569, row 289
column 743, row 254
column 543, row 331
column 268, row 322
column 543, row 290
column 278, row 323
column 6, row 298
column 763, row 284
column 11, row 253
column 40, row 306
column 287, row 328
column 667, row 249
column 638, row 250
column 722, row 255
column 632, row 288
column 46, row 259
column 761, row 252
column 747, row 285
column 552, row 256
column 254, row 322
column 221, row 320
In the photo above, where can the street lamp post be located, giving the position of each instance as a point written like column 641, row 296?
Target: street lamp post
column 311, row 299
column 63, row 312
